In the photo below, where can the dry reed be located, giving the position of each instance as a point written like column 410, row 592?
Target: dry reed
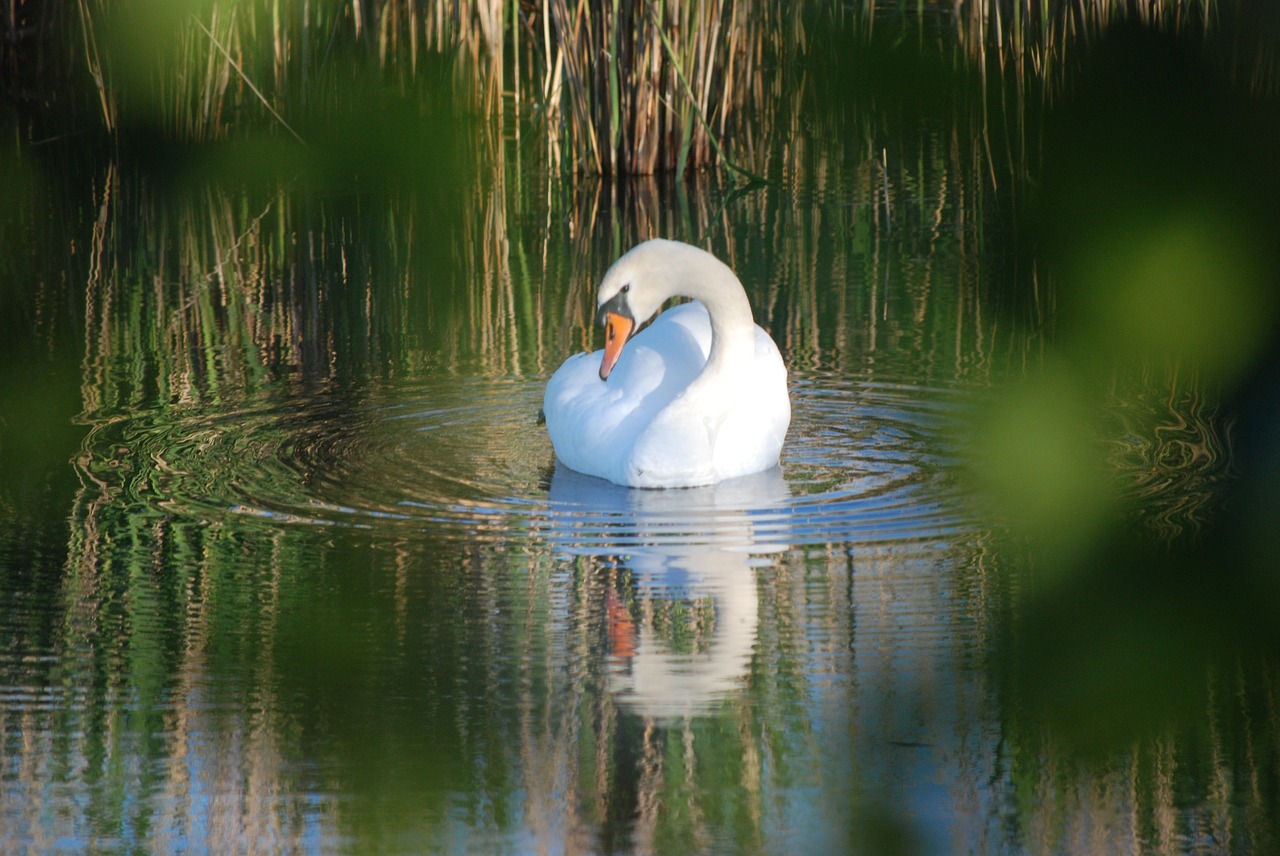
column 619, row 87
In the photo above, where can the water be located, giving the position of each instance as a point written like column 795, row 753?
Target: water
column 475, row 620
column 399, row 459
column 304, row 575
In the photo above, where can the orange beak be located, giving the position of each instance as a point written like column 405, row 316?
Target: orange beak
column 617, row 329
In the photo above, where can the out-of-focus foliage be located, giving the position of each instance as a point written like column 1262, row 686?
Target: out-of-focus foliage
column 1151, row 221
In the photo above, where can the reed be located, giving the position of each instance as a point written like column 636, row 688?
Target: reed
column 647, row 88
column 619, row 87
column 624, row 87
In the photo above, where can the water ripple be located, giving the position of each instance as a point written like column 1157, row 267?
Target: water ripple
column 863, row 462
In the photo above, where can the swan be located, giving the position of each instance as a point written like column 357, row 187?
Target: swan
column 698, row 396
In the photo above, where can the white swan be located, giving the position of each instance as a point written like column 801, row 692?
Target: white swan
column 697, row 397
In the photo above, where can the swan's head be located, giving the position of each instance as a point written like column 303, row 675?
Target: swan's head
column 633, row 290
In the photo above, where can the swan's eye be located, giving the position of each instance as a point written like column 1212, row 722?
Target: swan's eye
column 625, row 288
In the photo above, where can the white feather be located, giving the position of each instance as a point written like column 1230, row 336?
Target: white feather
column 665, row 417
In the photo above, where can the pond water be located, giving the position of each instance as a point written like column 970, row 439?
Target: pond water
column 291, row 567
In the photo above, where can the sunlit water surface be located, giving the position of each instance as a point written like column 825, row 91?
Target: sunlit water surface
column 864, row 461
column 383, row 557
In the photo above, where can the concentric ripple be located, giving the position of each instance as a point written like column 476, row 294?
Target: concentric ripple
column 466, row 458
column 873, row 461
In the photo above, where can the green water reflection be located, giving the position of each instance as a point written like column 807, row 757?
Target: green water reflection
column 310, row 581
column 286, row 564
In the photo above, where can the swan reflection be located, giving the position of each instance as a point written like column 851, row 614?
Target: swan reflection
column 686, row 642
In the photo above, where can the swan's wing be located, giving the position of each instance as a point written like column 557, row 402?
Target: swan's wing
column 594, row 424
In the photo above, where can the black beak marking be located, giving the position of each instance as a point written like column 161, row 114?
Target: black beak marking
column 617, row 305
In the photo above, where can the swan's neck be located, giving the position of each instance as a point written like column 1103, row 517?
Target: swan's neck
column 733, row 337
